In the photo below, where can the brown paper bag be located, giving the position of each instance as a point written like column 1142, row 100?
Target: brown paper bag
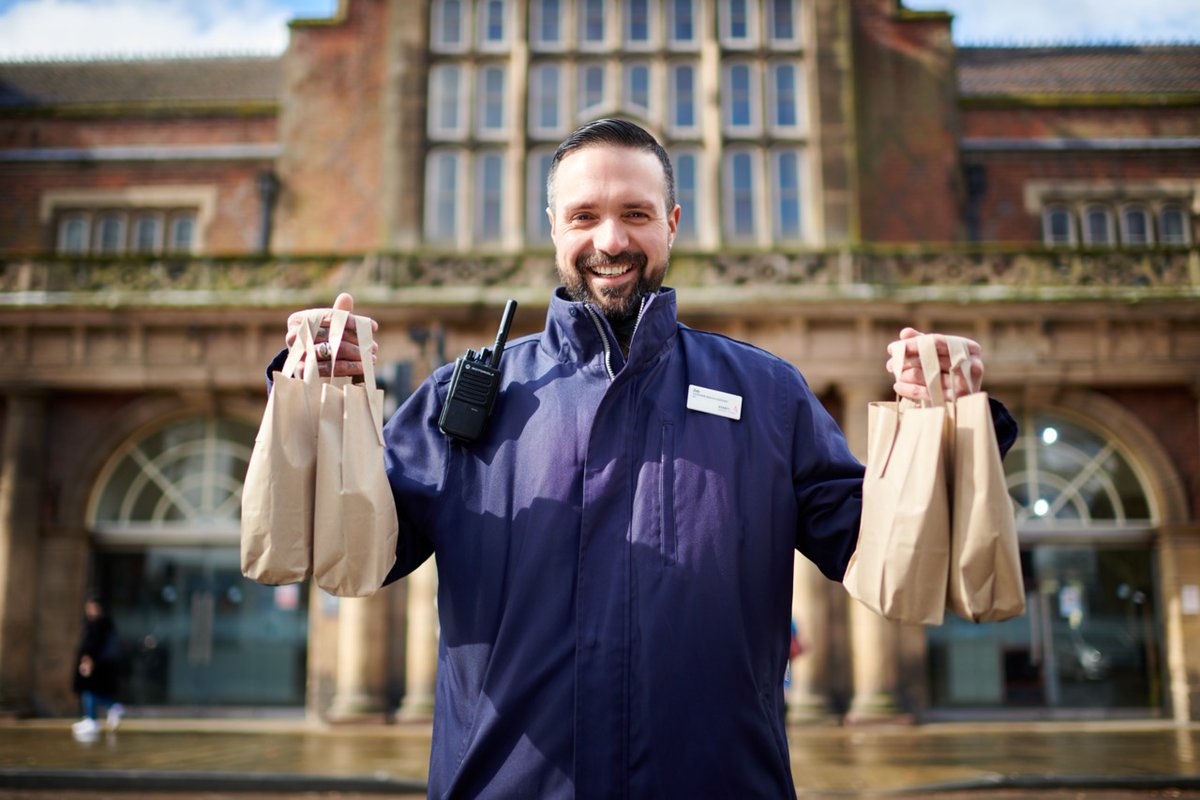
column 277, row 495
column 985, row 583
column 354, row 543
column 900, row 566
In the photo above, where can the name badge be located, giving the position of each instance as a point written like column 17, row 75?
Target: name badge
column 710, row 401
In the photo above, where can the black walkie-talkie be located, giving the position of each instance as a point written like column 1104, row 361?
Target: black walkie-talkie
column 474, row 386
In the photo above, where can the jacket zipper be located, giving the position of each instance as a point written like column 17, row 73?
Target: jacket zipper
column 604, row 337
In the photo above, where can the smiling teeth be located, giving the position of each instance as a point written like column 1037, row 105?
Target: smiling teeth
column 611, row 270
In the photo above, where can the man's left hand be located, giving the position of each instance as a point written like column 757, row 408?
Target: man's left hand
column 911, row 381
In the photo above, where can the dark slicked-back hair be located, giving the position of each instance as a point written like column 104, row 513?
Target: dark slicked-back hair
column 617, row 133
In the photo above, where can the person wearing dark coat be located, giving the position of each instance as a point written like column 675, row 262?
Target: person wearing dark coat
column 96, row 669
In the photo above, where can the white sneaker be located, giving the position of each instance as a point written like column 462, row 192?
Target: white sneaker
column 85, row 727
column 115, row 712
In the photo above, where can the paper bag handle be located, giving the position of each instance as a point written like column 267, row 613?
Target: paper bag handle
column 960, row 360
column 932, row 367
column 305, row 344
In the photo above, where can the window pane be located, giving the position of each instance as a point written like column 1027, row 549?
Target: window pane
column 1172, row 223
column 739, row 96
column 591, row 22
column 110, row 234
column 783, row 23
column 683, row 21
column 741, row 191
column 442, row 224
column 490, row 193
column 491, row 99
column 785, row 105
column 445, row 88
column 638, row 21
column 537, row 226
column 145, row 234
column 492, row 24
column 684, row 105
column 546, row 92
column 447, row 20
column 549, row 21
column 591, row 86
column 637, row 82
column 788, row 222
column 74, row 236
column 686, row 195
column 1058, row 222
column 1096, row 221
column 1137, row 228
column 183, row 234
column 739, row 24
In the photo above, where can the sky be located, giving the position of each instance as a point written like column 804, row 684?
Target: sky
column 43, row 29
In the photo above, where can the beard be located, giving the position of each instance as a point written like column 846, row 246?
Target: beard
column 618, row 305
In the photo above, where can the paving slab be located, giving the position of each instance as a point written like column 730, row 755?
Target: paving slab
column 253, row 758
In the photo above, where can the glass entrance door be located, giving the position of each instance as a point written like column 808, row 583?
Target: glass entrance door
column 1088, row 639
column 196, row 633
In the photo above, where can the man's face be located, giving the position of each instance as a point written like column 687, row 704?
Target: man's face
column 612, row 232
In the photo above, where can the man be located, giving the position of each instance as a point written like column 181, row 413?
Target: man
column 615, row 554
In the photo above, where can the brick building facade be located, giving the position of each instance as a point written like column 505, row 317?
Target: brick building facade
column 844, row 169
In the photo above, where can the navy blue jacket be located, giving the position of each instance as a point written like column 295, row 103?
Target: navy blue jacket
column 615, row 570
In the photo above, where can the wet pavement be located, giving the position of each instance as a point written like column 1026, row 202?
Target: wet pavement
column 196, row 758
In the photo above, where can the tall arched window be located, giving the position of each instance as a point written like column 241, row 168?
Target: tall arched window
column 181, row 480
column 1063, row 476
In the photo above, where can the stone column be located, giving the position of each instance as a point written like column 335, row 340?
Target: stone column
column 22, row 470
column 361, row 658
column 808, row 695
column 421, row 658
column 873, row 652
column 1179, row 560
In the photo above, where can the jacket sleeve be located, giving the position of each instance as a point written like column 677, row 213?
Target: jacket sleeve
column 827, row 480
column 416, row 455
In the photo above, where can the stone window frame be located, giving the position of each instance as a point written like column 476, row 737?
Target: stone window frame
column 1076, row 196
column 536, row 41
column 649, row 111
column 725, row 36
column 583, row 43
column 691, row 199
column 538, row 94
column 757, row 235
column 1101, row 212
column 774, row 42
column 653, row 27
column 440, row 232
column 683, row 45
column 437, row 22
column 60, row 207
column 448, row 95
column 1123, row 219
column 775, row 191
column 586, row 111
column 489, row 216
column 484, row 43
column 799, row 100
column 753, row 99
column 673, row 126
column 537, row 223
column 483, row 100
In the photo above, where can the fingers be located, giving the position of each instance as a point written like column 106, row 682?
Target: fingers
column 904, row 362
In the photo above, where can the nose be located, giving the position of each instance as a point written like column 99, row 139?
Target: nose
column 609, row 237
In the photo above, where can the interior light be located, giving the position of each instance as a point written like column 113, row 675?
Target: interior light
column 1041, row 507
column 1049, row 435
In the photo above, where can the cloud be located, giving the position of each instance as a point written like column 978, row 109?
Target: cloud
column 53, row 28
column 1036, row 21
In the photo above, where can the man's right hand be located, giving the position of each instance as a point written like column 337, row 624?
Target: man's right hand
column 349, row 356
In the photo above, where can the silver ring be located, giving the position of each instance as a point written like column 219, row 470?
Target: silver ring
column 323, row 351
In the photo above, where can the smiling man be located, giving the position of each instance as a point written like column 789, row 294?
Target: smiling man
column 615, row 553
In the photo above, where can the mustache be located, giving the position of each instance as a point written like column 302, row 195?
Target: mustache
column 594, row 259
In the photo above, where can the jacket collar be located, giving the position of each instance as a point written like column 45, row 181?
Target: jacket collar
column 576, row 332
